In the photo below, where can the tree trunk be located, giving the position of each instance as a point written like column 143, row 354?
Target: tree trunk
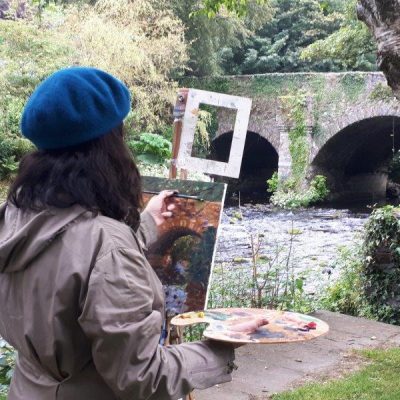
column 383, row 18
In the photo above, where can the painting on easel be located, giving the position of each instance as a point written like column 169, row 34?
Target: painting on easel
column 183, row 254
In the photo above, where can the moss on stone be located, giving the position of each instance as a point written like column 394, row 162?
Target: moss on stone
column 381, row 92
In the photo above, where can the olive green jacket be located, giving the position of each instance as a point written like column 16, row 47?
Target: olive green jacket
column 84, row 309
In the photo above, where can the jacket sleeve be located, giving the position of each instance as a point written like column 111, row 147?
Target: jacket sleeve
column 124, row 330
column 147, row 231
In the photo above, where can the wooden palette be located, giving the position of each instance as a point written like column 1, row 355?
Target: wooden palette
column 283, row 326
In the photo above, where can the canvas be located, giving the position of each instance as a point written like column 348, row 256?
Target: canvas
column 183, row 254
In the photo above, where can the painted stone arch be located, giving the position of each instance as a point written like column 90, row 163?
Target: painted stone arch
column 160, row 255
column 355, row 160
column 164, row 241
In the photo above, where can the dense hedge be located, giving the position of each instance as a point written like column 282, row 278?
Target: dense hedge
column 381, row 269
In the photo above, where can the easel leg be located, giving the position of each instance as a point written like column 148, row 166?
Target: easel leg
column 178, row 335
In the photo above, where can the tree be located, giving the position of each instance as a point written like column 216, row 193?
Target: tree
column 139, row 41
column 277, row 46
column 351, row 45
column 206, row 35
column 238, row 7
column 383, row 19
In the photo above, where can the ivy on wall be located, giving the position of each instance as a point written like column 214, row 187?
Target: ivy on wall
column 295, row 108
column 293, row 191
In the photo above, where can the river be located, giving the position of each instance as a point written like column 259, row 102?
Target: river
column 316, row 235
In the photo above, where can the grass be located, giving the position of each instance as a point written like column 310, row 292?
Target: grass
column 3, row 195
column 378, row 381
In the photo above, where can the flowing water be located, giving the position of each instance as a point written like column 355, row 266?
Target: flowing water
column 312, row 237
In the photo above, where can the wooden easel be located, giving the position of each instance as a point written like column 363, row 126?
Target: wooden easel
column 179, row 112
column 176, row 336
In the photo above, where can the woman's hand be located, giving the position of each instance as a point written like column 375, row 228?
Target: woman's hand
column 248, row 326
column 160, row 206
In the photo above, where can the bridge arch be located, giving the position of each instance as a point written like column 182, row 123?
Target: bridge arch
column 356, row 159
column 334, row 121
column 260, row 161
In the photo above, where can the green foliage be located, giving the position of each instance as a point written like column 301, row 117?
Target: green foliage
column 346, row 294
column 193, row 332
column 370, row 274
column 7, row 364
column 12, row 148
column 353, row 86
column 207, row 36
column 151, row 148
column 296, row 109
column 319, row 188
column 202, row 137
column 377, row 380
column 3, row 190
column 273, row 183
column 239, row 7
column 352, row 45
column 141, row 42
column 381, row 272
column 78, row 34
column 28, row 56
column 382, row 92
column 289, row 195
column 277, row 45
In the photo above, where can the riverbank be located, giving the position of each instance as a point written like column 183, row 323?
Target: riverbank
column 303, row 243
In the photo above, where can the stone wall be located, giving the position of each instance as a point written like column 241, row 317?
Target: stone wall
column 335, row 101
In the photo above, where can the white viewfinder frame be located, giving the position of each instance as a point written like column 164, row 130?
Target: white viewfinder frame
column 232, row 167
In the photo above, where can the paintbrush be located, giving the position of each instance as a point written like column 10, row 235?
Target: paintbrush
column 176, row 194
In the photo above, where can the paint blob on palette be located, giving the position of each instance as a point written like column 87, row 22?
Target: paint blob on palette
column 253, row 325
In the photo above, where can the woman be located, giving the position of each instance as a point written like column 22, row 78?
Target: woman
column 79, row 300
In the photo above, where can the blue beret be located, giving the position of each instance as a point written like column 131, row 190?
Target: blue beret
column 73, row 106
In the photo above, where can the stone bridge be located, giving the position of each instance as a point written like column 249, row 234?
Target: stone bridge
column 351, row 122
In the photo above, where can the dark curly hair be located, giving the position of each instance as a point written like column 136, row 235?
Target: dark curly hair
column 100, row 175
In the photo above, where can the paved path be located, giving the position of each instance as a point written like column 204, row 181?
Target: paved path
column 266, row 369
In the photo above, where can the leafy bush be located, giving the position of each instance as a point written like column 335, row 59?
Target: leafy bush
column 273, row 183
column 287, row 196
column 151, row 148
column 7, row 364
column 319, row 188
column 346, row 294
column 27, row 56
column 12, row 148
column 382, row 92
column 370, row 282
column 139, row 41
column 145, row 52
column 381, row 272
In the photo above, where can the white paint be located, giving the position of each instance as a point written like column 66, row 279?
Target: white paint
column 232, row 167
